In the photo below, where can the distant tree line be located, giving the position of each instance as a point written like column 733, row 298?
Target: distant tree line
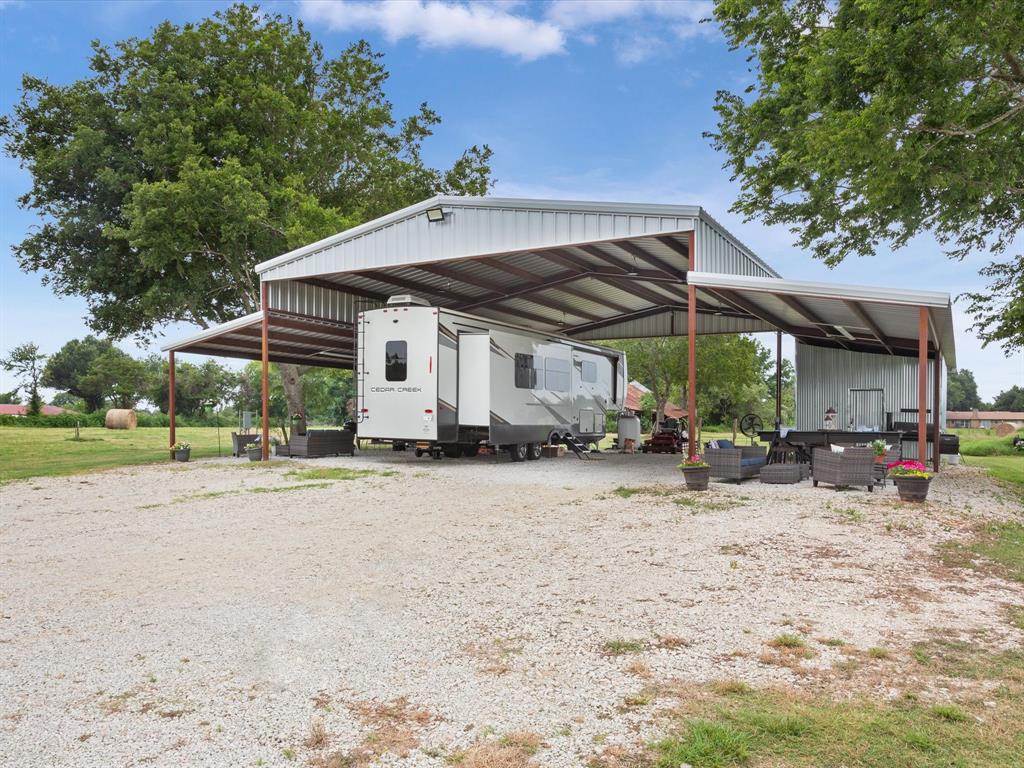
column 92, row 375
column 962, row 395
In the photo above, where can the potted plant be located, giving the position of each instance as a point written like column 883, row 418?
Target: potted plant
column 879, row 447
column 255, row 449
column 697, row 472
column 182, row 451
column 912, row 479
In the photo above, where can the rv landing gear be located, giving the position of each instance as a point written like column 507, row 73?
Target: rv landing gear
column 518, row 451
column 533, row 451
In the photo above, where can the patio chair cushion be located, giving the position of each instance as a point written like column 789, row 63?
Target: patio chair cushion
column 725, row 444
column 752, row 461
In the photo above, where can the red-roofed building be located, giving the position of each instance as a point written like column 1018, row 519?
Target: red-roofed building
column 22, row 410
column 984, row 419
column 635, row 394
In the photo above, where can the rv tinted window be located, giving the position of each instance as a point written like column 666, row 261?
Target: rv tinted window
column 526, row 375
column 588, row 371
column 556, row 374
column 395, row 358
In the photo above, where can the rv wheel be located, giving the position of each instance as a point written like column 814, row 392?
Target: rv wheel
column 470, row 451
column 436, row 453
column 419, row 453
column 517, row 451
column 533, row 451
column 453, row 451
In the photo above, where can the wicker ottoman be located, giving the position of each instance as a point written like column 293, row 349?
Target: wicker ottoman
column 780, row 473
column 805, row 470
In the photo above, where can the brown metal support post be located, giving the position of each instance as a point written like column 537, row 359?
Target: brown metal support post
column 936, row 392
column 170, row 398
column 778, row 379
column 922, row 385
column 265, row 357
column 691, row 336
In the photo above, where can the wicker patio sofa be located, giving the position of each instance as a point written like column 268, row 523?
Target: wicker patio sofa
column 852, row 467
column 730, row 462
column 322, row 442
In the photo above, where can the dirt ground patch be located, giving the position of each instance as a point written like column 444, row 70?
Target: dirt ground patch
column 429, row 612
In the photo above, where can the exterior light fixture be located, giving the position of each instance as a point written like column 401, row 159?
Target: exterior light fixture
column 435, row 214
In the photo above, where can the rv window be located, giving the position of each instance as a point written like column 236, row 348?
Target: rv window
column 588, row 372
column 556, row 374
column 526, row 374
column 395, row 358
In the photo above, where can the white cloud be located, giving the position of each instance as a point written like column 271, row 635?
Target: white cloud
column 435, row 23
column 641, row 29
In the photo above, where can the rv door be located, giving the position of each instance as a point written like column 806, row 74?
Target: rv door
column 474, row 379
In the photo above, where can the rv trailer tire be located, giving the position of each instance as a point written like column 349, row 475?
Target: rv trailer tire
column 533, row 451
column 419, row 453
column 517, row 451
column 469, row 451
column 453, row 451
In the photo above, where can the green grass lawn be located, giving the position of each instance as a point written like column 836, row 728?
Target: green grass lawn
column 33, row 452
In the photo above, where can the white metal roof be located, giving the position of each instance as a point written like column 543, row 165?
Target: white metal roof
column 851, row 316
column 480, row 226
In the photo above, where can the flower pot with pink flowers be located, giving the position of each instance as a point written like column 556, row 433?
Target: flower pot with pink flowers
column 912, row 479
column 697, row 472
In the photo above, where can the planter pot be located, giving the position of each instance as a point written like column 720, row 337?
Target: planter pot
column 880, row 459
column 182, row 455
column 282, row 449
column 697, row 478
column 912, row 488
column 255, row 453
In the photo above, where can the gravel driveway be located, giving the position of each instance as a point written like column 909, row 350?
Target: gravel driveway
column 215, row 615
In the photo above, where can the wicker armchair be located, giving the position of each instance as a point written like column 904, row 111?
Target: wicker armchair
column 854, row 466
column 736, row 463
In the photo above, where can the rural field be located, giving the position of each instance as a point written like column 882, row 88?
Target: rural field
column 384, row 610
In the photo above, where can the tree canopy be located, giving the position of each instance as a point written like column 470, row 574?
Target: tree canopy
column 962, row 391
column 189, row 156
column 870, row 122
column 26, row 362
column 1011, row 399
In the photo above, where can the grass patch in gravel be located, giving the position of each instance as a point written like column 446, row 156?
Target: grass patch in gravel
column 993, row 546
column 777, row 727
column 338, row 473
column 620, row 647
column 286, row 488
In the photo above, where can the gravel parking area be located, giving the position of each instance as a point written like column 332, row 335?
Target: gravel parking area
column 215, row 614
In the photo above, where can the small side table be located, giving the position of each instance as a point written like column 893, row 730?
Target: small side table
column 781, row 474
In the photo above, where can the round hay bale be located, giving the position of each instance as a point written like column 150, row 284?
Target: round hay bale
column 1002, row 429
column 121, row 418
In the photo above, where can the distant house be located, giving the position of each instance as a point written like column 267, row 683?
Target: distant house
column 635, row 394
column 22, row 410
column 984, row 419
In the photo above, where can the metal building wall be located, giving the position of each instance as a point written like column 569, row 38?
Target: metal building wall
column 718, row 251
column 672, row 324
column 824, row 378
column 314, row 301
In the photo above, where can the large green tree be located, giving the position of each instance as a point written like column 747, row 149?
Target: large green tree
column 189, row 156
column 196, row 386
column 26, row 362
column 962, row 391
column 67, row 368
column 871, row 121
column 1011, row 399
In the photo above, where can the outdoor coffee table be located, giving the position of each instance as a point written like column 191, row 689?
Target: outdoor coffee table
column 780, row 473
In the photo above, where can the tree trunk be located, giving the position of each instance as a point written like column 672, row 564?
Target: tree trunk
column 291, row 380
column 660, row 415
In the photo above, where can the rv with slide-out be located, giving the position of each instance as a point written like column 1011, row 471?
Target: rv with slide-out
column 448, row 383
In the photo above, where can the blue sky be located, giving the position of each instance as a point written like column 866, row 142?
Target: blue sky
column 578, row 99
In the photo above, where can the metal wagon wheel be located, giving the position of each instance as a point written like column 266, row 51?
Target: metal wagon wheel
column 750, row 425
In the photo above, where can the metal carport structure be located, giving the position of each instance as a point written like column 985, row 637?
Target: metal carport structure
column 588, row 270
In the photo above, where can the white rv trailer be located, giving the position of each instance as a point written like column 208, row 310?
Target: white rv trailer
column 449, row 382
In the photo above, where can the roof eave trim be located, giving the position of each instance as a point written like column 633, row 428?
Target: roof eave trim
column 217, row 330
